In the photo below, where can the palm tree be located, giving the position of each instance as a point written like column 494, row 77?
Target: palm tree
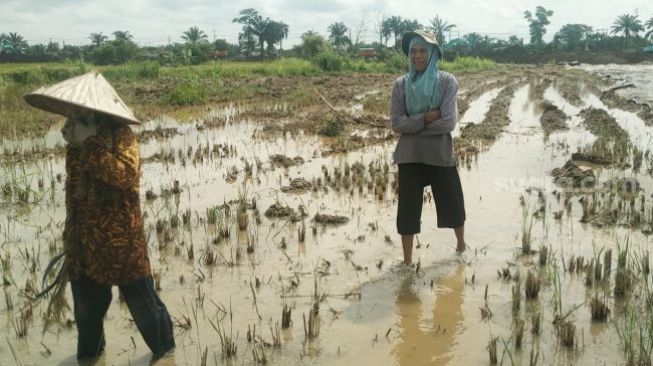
column 338, row 35
column 649, row 26
column 627, row 24
column 473, row 39
column 274, row 33
column 37, row 49
column 122, row 35
column 392, row 26
column 97, row 38
column 194, row 35
column 282, row 29
column 439, row 26
column 257, row 27
column 16, row 42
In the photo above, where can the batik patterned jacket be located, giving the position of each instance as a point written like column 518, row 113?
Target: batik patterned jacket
column 103, row 235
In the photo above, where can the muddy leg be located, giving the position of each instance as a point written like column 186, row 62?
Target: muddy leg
column 407, row 243
column 460, row 238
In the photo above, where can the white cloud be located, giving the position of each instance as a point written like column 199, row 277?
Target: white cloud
column 153, row 21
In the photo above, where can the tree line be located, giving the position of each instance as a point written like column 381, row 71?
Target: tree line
column 262, row 38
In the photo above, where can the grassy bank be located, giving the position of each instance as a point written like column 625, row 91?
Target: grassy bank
column 152, row 89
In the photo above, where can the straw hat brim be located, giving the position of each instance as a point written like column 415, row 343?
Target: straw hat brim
column 70, row 109
column 408, row 36
column 80, row 96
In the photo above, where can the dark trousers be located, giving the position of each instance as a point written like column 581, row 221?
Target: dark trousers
column 150, row 315
column 447, row 194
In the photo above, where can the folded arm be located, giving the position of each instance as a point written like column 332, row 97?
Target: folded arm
column 443, row 120
column 401, row 122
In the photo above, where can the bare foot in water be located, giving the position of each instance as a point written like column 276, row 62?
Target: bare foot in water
column 460, row 247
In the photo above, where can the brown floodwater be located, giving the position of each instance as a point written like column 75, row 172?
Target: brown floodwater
column 374, row 311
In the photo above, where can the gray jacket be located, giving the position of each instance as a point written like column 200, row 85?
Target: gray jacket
column 431, row 144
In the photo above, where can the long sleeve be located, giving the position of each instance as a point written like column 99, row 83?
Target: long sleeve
column 118, row 166
column 448, row 111
column 431, row 144
column 401, row 122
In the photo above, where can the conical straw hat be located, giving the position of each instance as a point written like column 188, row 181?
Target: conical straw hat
column 77, row 96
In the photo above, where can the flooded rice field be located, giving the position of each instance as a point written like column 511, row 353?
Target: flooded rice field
column 272, row 243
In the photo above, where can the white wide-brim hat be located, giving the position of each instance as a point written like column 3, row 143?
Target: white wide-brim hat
column 81, row 95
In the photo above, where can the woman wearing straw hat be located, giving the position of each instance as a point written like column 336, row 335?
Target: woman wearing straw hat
column 424, row 111
column 104, row 241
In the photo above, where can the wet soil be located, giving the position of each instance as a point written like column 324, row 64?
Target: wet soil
column 218, row 261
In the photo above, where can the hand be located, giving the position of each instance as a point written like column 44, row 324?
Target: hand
column 431, row 116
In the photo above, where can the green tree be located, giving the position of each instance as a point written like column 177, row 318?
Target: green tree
column 274, row 33
column 221, row 44
column 52, row 48
column 97, row 39
column 649, row 26
column 194, row 35
column 473, row 40
column 16, row 43
column 627, row 24
column 254, row 26
column 312, row 44
column 393, row 26
column 515, row 41
column 537, row 24
column 338, row 35
column 122, row 35
column 397, row 26
column 439, row 26
column 571, row 36
column 246, row 43
column 37, row 50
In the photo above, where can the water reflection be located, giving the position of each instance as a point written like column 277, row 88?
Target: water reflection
column 429, row 341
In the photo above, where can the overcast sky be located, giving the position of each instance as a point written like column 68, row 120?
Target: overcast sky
column 154, row 22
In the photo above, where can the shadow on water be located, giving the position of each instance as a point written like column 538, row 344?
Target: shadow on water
column 425, row 308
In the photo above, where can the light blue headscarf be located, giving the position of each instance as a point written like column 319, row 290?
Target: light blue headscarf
column 422, row 87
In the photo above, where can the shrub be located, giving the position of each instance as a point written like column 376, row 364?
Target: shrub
column 329, row 61
column 149, row 70
column 187, row 93
column 333, row 126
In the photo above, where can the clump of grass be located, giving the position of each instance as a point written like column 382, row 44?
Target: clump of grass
column 544, row 255
column 516, row 297
column 527, row 227
column 227, row 342
column 188, row 92
column 532, row 285
column 623, row 280
column 607, row 263
column 635, row 334
column 566, row 330
column 312, row 328
column 534, row 357
column 333, row 125
column 536, row 320
column 599, row 308
column 492, row 350
column 519, row 333
column 258, row 352
column 8, row 299
column 286, row 314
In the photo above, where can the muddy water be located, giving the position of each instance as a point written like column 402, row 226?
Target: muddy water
column 403, row 316
column 638, row 75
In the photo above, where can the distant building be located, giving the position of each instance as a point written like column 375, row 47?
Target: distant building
column 367, row 52
column 221, row 54
column 648, row 49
